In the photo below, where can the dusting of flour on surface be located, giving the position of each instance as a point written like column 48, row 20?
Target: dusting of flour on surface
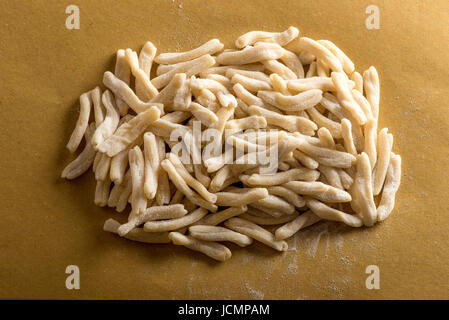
column 255, row 294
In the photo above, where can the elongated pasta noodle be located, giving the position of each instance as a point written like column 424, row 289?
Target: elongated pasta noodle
column 218, row 217
column 299, row 102
column 212, row 249
column 257, row 233
column 328, row 213
column 153, row 214
column 265, row 51
column 321, row 53
column 318, row 190
column 290, row 228
column 365, row 190
column 136, row 164
column 125, row 93
column 128, row 132
column 82, row 123
column 146, row 58
column 287, row 195
column 148, row 90
column 110, row 121
column 392, row 182
column 345, row 97
column 348, row 65
column 213, row 233
column 137, row 234
column 210, row 47
column 84, row 160
column 372, row 89
column 174, row 224
column 123, row 73
column 281, row 38
column 384, row 145
column 236, row 199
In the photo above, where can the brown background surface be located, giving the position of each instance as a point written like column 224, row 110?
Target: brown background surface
column 48, row 223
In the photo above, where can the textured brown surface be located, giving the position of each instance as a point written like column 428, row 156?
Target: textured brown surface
column 48, row 223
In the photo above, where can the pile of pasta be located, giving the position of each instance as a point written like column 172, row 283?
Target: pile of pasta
column 292, row 98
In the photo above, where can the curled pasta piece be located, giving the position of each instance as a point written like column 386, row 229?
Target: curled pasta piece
column 279, row 84
column 128, row 132
column 147, row 91
column 213, row 233
column 325, row 212
column 84, row 160
column 211, row 249
column 190, row 68
column 324, row 122
column 103, row 167
column 292, row 61
column 163, row 188
column 261, row 218
column 288, row 195
column 151, row 156
column 95, row 95
column 332, row 176
column 392, row 182
column 102, row 192
column 251, row 122
column 372, row 89
column 370, row 133
column 319, row 190
column 191, row 181
column 348, row 65
column 274, row 206
column 327, row 157
column 300, row 222
column 299, row 102
column 146, row 58
column 241, row 198
column 346, row 99
column 311, row 83
column 282, row 177
column 110, row 122
column 137, row 164
column 305, row 160
column 257, row 75
column 210, row 47
column 321, row 53
column 137, row 234
column 153, row 214
column 123, row 73
column 124, row 92
column 264, row 51
column 346, row 132
column 384, row 145
column 281, row 38
column 306, row 57
column 206, row 116
column 214, row 219
column 82, row 123
column 364, row 187
column 174, row 224
column 252, row 85
column 279, row 68
column 358, row 81
column 181, row 185
column 256, row 232
column 289, row 123
column 326, row 139
column 246, row 96
column 363, row 103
